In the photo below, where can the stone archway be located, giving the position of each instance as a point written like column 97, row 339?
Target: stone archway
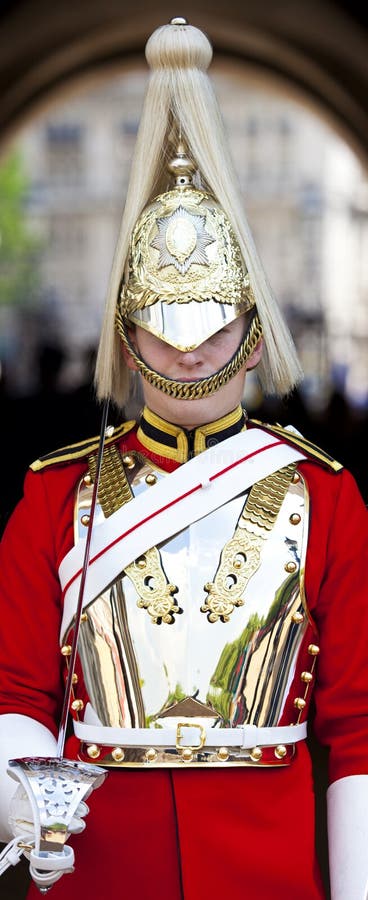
column 318, row 46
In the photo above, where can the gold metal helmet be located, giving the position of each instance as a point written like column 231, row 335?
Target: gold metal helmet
column 185, row 277
column 184, row 251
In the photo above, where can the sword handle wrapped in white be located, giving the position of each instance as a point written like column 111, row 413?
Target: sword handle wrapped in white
column 48, row 806
column 347, row 809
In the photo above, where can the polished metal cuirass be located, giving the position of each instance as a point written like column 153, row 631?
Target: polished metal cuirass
column 205, row 627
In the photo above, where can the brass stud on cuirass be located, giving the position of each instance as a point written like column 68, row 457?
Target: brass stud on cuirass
column 300, row 703
column 280, row 751
column 151, row 478
column 256, row 754
column 129, row 461
column 222, row 754
column 118, row 754
column 298, row 618
column 151, row 755
column 187, row 755
column 294, row 519
column 290, row 566
column 93, row 751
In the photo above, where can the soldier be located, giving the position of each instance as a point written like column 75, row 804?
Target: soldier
column 225, row 584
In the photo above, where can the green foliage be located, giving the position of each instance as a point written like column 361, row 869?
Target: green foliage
column 19, row 249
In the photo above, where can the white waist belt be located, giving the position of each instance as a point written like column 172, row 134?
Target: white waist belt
column 191, row 735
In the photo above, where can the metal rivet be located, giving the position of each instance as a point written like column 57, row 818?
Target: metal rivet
column 118, row 754
column 290, row 566
column 313, row 649
column 300, row 703
column 297, row 617
column 129, row 461
column 256, row 754
column 85, row 519
column 141, row 562
column 84, row 617
column 74, row 678
column 77, row 705
column 151, row 754
column 222, row 754
column 295, row 519
column 280, row 751
column 151, row 478
column 66, row 650
column 307, row 677
column 109, row 431
column 93, row 751
column 187, row 754
column 87, row 479
column 296, row 478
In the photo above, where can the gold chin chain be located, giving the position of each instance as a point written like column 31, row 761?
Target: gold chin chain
column 194, row 390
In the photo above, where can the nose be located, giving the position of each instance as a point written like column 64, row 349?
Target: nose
column 190, row 359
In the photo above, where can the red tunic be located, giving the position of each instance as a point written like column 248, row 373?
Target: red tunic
column 167, row 834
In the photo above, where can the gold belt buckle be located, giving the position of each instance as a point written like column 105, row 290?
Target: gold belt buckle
column 179, row 736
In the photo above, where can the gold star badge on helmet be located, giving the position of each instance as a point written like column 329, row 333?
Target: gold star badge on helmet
column 182, row 240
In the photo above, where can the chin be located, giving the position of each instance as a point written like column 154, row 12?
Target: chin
column 192, row 413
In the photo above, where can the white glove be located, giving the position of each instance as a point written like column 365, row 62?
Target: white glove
column 48, row 804
column 21, row 815
column 347, row 816
column 19, row 736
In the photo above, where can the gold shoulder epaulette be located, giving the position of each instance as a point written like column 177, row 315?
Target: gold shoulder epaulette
column 83, row 448
column 298, row 440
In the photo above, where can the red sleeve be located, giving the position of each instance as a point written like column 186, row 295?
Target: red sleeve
column 38, row 535
column 337, row 595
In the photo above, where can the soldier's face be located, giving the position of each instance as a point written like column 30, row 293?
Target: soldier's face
column 192, row 365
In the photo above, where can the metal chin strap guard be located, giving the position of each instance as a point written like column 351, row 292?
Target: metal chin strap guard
column 47, row 808
column 204, row 387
